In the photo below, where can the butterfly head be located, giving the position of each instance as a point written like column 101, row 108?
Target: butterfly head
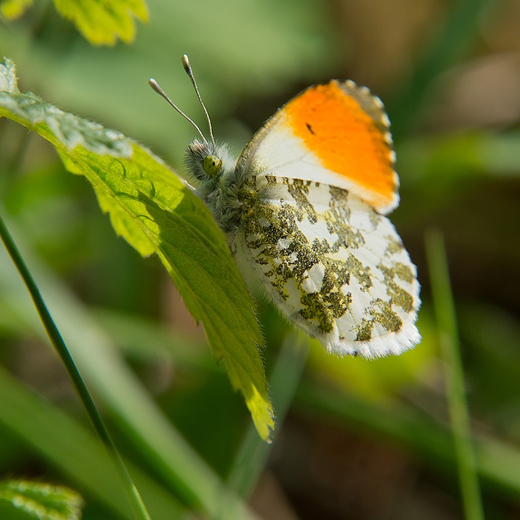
column 205, row 162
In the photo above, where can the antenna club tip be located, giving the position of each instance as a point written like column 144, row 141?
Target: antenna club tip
column 186, row 63
column 154, row 85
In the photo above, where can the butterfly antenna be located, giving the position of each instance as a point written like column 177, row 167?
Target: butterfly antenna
column 189, row 71
column 161, row 92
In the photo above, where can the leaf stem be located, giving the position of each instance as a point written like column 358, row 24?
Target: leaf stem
column 140, row 510
column 449, row 343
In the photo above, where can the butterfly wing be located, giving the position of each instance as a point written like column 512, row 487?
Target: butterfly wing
column 337, row 134
column 331, row 264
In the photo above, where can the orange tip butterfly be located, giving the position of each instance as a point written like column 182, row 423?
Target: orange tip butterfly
column 304, row 210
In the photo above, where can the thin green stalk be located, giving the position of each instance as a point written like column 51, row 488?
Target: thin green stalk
column 83, row 393
column 450, row 346
column 284, row 381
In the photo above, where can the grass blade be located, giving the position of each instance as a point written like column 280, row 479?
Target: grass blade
column 449, row 343
column 498, row 462
column 77, row 381
column 76, row 452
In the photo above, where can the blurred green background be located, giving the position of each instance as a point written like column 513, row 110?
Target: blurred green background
column 361, row 440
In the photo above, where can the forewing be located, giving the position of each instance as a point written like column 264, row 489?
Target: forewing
column 337, row 133
column 331, row 264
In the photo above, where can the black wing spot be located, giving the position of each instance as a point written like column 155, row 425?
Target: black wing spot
column 310, row 128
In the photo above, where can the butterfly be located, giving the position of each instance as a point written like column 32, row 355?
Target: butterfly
column 304, row 210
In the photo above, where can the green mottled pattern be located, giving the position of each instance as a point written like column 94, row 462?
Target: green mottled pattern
column 334, row 266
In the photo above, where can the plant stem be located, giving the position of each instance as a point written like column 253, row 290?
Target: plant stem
column 81, row 389
column 450, row 347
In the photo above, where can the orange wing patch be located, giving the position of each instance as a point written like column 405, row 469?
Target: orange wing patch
column 345, row 138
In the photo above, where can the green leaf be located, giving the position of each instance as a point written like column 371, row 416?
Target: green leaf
column 12, row 9
column 102, row 23
column 8, row 82
column 118, row 388
column 156, row 213
column 33, row 500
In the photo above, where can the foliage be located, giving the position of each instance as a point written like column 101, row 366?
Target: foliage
column 12, row 9
column 24, row 500
column 354, row 429
column 155, row 212
column 101, row 23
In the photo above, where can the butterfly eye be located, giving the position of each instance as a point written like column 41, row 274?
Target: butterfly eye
column 212, row 165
